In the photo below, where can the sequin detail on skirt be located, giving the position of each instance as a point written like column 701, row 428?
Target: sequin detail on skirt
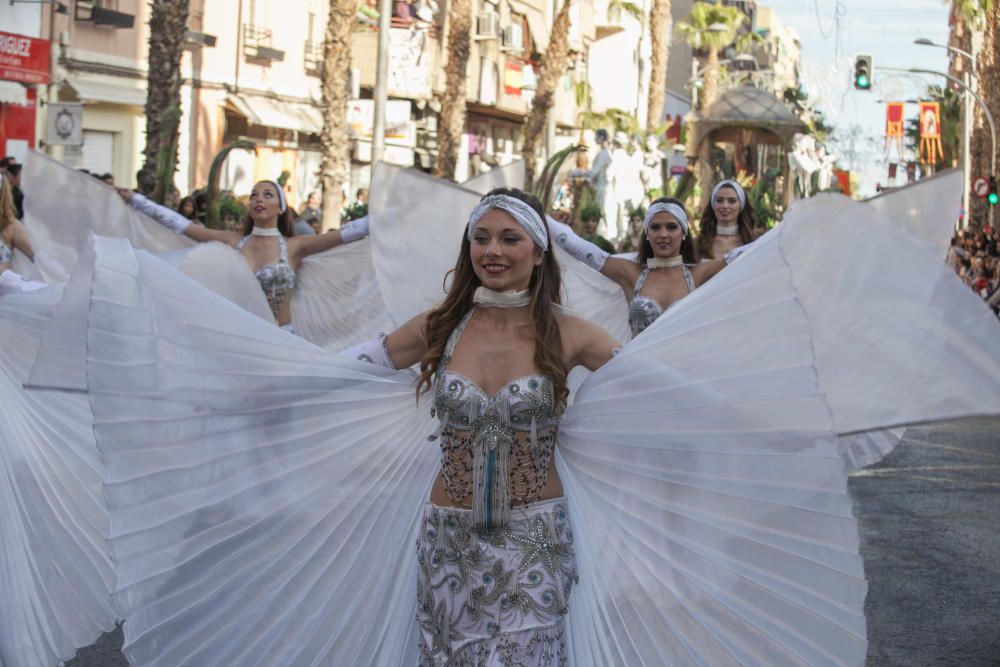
column 498, row 598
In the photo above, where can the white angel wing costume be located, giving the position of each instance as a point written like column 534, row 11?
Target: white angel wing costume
column 264, row 494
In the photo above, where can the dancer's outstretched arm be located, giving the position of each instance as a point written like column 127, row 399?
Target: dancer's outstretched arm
column 303, row 246
column 401, row 349
column 623, row 271
column 176, row 222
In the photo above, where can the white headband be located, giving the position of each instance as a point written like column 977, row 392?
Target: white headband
column 740, row 194
column 665, row 207
column 282, row 202
column 525, row 216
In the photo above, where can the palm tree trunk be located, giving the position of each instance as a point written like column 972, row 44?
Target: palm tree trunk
column 451, row 121
column 553, row 67
column 711, row 78
column 335, row 86
column 659, row 37
column 167, row 32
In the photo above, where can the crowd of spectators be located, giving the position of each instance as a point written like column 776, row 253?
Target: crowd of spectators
column 974, row 257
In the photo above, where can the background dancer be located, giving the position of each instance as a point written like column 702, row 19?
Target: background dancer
column 13, row 234
column 267, row 242
column 727, row 222
column 664, row 271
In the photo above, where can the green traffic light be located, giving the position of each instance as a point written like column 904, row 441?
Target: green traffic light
column 862, row 81
column 994, row 198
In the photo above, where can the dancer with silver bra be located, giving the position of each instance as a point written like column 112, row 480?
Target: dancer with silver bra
column 267, row 243
column 664, row 271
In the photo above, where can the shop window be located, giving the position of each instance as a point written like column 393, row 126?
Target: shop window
column 98, row 152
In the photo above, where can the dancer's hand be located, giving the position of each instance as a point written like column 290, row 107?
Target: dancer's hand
column 124, row 193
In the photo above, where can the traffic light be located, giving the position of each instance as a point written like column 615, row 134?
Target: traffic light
column 863, row 68
column 994, row 196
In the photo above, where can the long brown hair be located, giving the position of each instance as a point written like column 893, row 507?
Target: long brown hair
column 8, row 214
column 646, row 248
column 544, row 290
column 284, row 218
column 746, row 225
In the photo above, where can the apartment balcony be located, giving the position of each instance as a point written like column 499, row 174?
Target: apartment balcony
column 312, row 57
column 257, row 45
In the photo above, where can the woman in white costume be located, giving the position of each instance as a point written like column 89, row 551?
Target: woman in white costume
column 267, row 243
column 726, row 222
column 495, row 552
column 664, row 271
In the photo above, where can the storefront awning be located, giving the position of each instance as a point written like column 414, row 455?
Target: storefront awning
column 536, row 23
column 109, row 89
column 13, row 93
column 275, row 113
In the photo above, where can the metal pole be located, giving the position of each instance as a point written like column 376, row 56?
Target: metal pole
column 966, row 154
column 381, row 74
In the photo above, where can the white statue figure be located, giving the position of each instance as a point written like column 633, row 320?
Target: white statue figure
column 652, row 165
column 626, row 187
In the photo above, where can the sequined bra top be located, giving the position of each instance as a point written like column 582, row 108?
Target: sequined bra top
column 496, row 448
column 278, row 279
column 643, row 310
column 6, row 256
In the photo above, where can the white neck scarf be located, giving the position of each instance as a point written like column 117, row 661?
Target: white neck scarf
column 266, row 231
column 525, row 216
column 487, row 298
column 728, row 230
column 669, row 262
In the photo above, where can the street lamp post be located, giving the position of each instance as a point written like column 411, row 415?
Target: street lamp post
column 966, row 122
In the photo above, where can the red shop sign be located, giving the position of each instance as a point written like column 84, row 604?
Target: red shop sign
column 24, row 59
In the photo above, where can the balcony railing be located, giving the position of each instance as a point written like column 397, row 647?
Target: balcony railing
column 257, row 44
column 312, row 57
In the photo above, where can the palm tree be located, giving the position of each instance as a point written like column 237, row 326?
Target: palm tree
column 167, row 32
column 451, row 121
column 696, row 30
column 335, row 86
column 659, row 38
column 554, row 66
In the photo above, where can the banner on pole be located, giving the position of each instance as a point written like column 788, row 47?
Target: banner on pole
column 894, row 127
column 930, row 132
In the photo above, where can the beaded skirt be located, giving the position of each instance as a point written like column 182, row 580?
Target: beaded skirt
column 495, row 599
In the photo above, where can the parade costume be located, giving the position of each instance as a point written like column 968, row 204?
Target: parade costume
column 277, row 279
column 643, row 310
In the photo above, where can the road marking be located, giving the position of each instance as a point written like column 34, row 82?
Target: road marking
column 868, row 472
column 926, row 443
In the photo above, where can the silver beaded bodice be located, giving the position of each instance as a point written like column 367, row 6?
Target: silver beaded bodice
column 278, row 279
column 496, row 448
column 643, row 310
column 6, row 256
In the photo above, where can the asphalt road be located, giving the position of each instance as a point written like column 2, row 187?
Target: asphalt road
column 929, row 517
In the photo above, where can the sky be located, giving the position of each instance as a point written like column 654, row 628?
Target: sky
column 886, row 30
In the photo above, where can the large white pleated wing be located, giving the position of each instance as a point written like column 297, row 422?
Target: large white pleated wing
column 928, row 208
column 264, row 493
column 56, row 574
column 63, row 206
column 704, row 465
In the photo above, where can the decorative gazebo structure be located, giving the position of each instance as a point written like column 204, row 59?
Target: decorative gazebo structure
column 748, row 128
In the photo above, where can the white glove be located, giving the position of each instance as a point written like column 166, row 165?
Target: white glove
column 581, row 249
column 169, row 218
column 374, row 351
column 15, row 283
column 354, row 230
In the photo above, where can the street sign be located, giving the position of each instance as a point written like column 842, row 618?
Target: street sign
column 981, row 187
